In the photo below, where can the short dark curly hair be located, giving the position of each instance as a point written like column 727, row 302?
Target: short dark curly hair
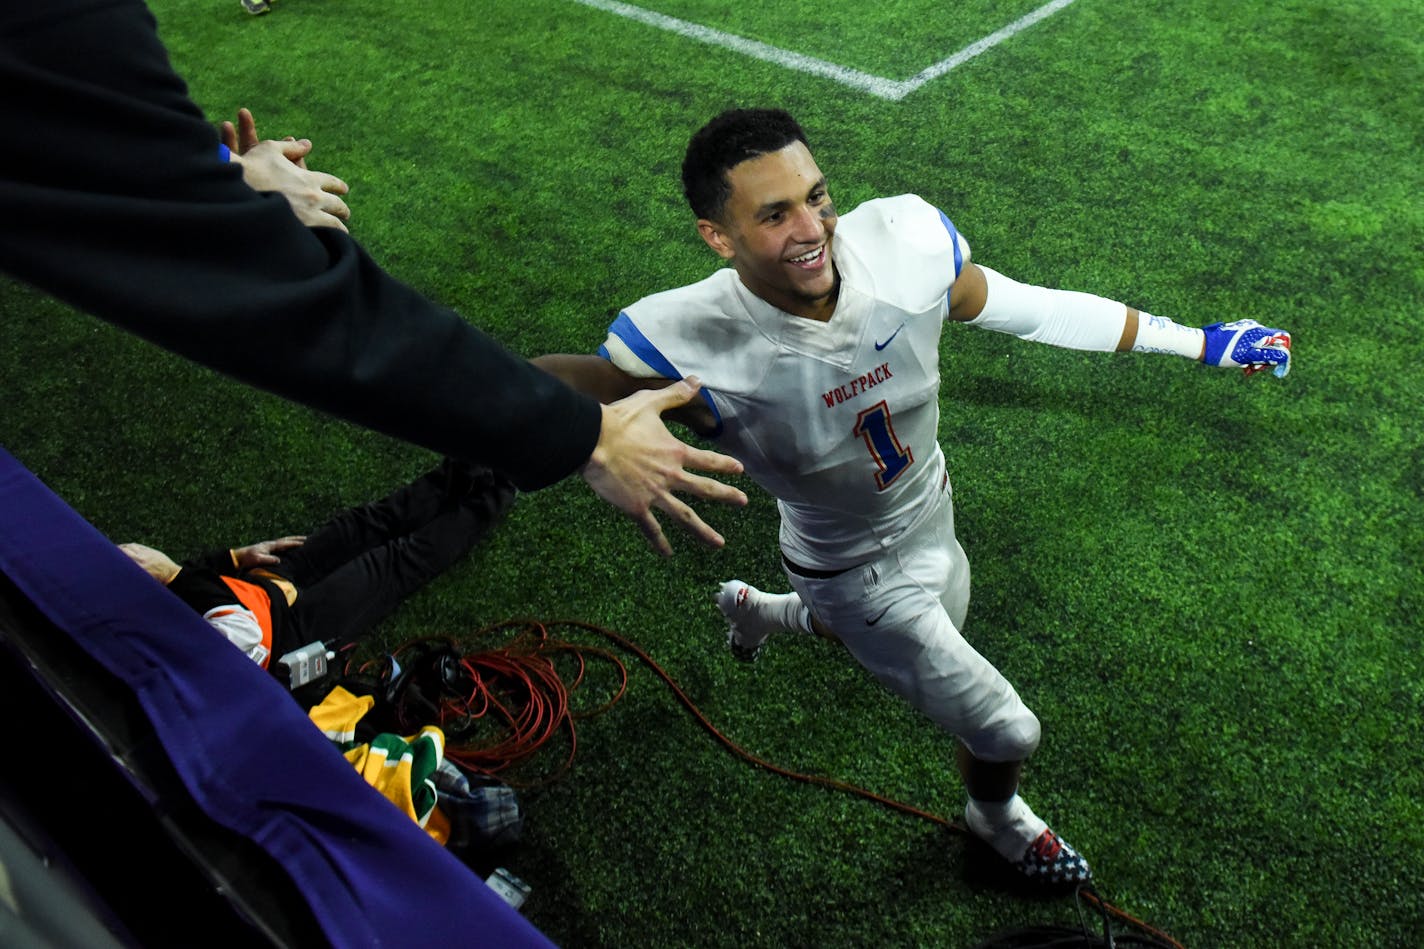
column 725, row 142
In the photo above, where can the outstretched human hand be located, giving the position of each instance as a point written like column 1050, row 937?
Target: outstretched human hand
column 282, row 167
column 1247, row 345
column 638, row 464
column 264, row 553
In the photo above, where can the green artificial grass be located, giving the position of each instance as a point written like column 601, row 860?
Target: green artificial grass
column 1206, row 587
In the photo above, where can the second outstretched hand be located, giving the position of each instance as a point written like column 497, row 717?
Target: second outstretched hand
column 638, row 465
column 271, row 165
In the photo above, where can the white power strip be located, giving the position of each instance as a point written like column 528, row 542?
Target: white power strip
column 511, row 889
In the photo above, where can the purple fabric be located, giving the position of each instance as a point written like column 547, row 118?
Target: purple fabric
column 251, row 759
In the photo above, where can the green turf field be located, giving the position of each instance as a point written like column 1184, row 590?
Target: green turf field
column 1208, row 588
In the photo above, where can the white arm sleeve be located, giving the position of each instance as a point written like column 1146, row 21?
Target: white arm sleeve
column 1064, row 318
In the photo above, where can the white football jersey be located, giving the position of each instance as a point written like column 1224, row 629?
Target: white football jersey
column 838, row 420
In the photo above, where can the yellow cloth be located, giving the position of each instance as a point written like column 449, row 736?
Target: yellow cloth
column 402, row 769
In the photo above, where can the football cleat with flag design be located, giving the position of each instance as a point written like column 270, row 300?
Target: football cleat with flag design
column 1050, row 861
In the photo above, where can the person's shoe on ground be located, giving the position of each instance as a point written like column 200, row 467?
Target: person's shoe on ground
column 1050, row 861
column 1034, row 851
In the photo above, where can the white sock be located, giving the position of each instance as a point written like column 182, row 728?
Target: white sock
column 1007, row 826
column 786, row 609
column 755, row 615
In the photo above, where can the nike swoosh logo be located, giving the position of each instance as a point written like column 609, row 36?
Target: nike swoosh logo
column 880, row 346
column 872, row 622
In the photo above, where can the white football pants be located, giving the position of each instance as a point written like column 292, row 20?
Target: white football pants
column 900, row 617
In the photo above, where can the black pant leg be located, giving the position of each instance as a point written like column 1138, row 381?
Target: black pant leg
column 362, row 528
column 350, row 600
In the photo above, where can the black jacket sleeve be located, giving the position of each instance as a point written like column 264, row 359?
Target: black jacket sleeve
column 201, row 587
column 113, row 199
column 214, row 561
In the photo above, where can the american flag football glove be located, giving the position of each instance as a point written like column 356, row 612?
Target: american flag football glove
column 1249, row 346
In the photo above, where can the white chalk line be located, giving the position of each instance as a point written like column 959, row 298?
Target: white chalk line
column 892, row 89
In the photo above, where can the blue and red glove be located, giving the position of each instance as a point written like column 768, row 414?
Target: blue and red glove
column 1249, row 346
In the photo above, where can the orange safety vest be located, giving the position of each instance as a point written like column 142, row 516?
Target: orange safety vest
column 259, row 603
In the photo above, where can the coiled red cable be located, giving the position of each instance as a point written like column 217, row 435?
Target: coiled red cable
column 519, row 687
column 507, row 702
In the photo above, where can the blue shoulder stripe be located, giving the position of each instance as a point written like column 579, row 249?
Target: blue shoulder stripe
column 954, row 240
column 643, row 348
column 634, row 339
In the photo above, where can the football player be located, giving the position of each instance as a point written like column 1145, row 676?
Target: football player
column 818, row 353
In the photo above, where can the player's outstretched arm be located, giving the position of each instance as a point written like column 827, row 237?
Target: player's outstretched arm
column 600, row 379
column 987, row 299
column 638, row 466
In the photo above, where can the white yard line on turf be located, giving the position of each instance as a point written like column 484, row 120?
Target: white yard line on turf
column 892, row 89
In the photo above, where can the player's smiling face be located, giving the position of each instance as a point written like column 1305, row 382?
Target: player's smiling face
column 777, row 230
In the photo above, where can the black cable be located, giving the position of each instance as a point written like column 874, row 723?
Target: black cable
column 1063, row 937
column 1102, row 914
column 1050, row 936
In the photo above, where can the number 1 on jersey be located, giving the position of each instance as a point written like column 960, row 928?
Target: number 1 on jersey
column 873, row 425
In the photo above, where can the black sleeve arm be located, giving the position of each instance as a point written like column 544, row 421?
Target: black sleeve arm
column 214, row 561
column 113, row 199
column 201, row 588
